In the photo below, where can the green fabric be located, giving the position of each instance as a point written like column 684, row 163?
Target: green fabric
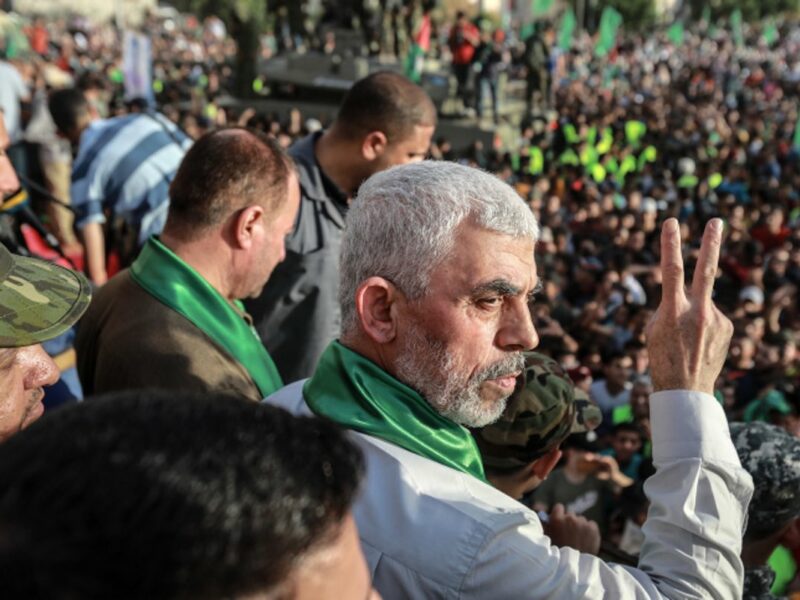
column 568, row 23
column 736, row 24
column 541, row 7
column 675, row 33
column 606, row 141
column 412, row 65
column 610, row 21
column 706, row 14
column 571, row 134
column 782, row 562
column 796, row 138
column 163, row 275
column 635, row 131
column 357, row 394
column 536, row 162
column 569, row 157
column 770, row 33
column 622, row 414
column 598, row 172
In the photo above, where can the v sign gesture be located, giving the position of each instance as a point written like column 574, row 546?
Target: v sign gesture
column 688, row 337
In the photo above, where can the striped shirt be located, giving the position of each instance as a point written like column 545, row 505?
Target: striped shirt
column 124, row 167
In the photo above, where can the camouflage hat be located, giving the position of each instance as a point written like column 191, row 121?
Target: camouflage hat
column 772, row 457
column 543, row 410
column 38, row 300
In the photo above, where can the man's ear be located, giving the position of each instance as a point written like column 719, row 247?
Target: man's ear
column 375, row 300
column 373, row 145
column 543, row 465
column 245, row 224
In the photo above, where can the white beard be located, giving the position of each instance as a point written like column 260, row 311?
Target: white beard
column 426, row 365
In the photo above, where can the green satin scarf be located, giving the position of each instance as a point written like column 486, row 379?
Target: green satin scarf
column 357, row 394
column 163, row 275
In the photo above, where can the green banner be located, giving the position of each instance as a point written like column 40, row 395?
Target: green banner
column 610, row 21
column 541, row 7
column 675, row 34
column 770, row 33
column 568, row 23
column 736, row 25
column 796, row 140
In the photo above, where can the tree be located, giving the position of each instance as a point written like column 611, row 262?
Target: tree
column 245, row 20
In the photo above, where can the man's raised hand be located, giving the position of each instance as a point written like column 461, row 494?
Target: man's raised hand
column 688, row 336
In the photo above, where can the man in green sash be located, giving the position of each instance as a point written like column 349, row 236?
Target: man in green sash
column 174, row 319
column 437, row 268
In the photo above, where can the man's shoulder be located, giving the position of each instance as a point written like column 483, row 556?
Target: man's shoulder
column 449, row 515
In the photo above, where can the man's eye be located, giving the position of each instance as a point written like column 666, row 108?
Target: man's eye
column 490, row 302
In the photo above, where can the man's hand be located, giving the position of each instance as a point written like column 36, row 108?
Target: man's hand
column 607, row 469
column 567, row 529
column 688, row 337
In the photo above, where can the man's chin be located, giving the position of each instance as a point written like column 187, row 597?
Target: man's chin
column 487, row 413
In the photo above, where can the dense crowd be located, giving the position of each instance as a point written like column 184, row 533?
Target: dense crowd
column 608, row 149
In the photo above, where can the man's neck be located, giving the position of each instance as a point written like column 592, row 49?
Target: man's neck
column 203, row 256
column 337, row 159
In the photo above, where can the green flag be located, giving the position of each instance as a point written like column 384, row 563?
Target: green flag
column 568, row 23
column 412, row 65
column 706, row 14
column 736, row 24
column 796, row 141
column 675, row 34
column 770, row 33
column 541, row 7
column 610, row 21
column 526, row 31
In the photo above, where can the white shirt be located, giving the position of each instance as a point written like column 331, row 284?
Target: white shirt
column 429, row 531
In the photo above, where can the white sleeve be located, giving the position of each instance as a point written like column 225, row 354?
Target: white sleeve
column 699, row 496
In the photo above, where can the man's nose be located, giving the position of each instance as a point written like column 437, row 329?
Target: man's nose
column 517, row 332
column 41, row 368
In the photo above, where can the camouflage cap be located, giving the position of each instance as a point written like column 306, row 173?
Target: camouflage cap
column 38, row 300
column 543, row 410
column 772, row 457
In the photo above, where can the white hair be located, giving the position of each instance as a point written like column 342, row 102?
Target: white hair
column 403, row 224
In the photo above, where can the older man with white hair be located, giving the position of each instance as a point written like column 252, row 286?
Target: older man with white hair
column 437, row 268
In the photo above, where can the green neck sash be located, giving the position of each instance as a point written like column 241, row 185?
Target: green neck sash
column 163, row 275
column 357, row 394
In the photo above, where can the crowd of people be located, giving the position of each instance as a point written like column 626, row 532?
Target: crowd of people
column 232, row 252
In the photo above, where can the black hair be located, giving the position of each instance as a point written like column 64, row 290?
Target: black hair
column 224, row 171
column 154, row 494
column 628, row 427
column 69, row 108
column 386, row 102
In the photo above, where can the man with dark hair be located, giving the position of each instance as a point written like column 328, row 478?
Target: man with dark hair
column 615, row 388
column 123, row 168
column 174, row 319
column 159, row 495
column 772, row 457
column 384, row 120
